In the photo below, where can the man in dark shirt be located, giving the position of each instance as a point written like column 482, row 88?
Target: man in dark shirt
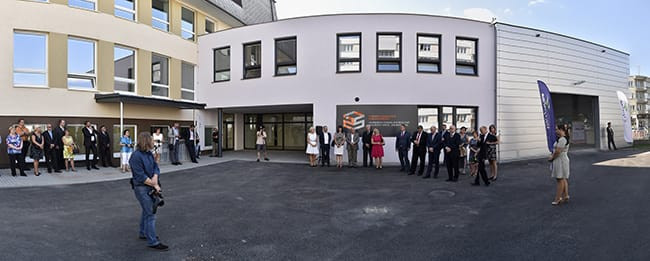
column 215, row 142
column 59, row 132
column 402, row 146
column 482, row 157
column 104, row 144
column 90, row 144
column 48, row 148
column 366, row 138
column 434, row 146
column 191, row 138
column 610, row 136
column 419, row 140
column 452, row 148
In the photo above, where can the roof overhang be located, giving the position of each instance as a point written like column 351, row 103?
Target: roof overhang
column 151, row 101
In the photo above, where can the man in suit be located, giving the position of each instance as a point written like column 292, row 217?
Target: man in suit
column 402, row 146
column 191, row 138
column 48, row 149
column 445, row 136
column 174, row 141
column 610, row 136
column 104, row 144
column 452, row 149
column 419, row 140
column 481, row 156
column 434, row 145
column 59, row 132
column 352, row 139
column 90, row 143
column 325, row 140
column 367, row 146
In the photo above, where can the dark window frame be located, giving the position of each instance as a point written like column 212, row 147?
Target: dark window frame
column 343, row 60
column 258, row 66
column 214, row 64
column 238, row 2
column 417, row 55
column 388, row 60
column 475, row 64
column 295, row 56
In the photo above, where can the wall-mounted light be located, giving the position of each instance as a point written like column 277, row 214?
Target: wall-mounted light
column 602, row 51
column 579, row 82
column 538, row 35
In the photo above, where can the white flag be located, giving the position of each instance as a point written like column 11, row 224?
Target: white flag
column 625, row 113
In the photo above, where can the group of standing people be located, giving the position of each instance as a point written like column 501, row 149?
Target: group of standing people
column 342, row 141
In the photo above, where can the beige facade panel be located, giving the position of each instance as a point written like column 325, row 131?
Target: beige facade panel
column 143, row 73
column 57, row 60
column 175, row 79
column 107, row 6
column 143, row 10
column 105, row 66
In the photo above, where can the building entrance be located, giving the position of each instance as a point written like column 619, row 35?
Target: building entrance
column 285, row 131
column 580, row 114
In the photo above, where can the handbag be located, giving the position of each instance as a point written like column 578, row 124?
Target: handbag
column 75, row 149
column 463, row 151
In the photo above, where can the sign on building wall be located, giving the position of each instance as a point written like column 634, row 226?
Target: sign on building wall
column 387, row 118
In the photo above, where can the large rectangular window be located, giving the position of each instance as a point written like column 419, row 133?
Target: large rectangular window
column 389, row 52
column 124, row 66
column 209, row 26
column 187, row 24
column 159, row 75
column 222, row 64
column 285, row 56
column 30, row 59
column 81, row 63
column 187, row 81
column 466, row 56
column 348, row 48
column 253, row 60
column 84, row 4
column 428, row 53
column 125, row 9
column 160, row 14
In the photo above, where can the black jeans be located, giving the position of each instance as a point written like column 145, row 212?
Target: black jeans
column 610, row 143
column 325, row 154
column 452, row 164
column 13, row 158
column 403, row 154
column 418, row 155
column 105, row 156
column 23, row 154
column 191, row 148
column 50, row 161
column 367, row 156
column 92, row 148
column 434, row 161
column 58, row 156
column 482, row 172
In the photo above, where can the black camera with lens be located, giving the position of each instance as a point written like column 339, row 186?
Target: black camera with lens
column 158, row 200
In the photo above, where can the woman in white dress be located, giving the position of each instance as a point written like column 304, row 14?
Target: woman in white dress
column 312, row 146
column 561, row 165
column 339, row 146
column 157, row 145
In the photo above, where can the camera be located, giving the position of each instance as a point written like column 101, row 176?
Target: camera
column 158, row 200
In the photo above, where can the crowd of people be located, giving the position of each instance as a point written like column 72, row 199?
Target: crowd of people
column 463, row 152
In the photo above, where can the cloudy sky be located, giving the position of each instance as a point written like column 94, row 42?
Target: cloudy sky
column 622, row 24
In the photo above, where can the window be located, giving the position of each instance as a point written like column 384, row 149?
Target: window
column 238, row 2
column 125, row 9
column 187, row 24
column 124, row 63
column 222, row 64
column 389, row 52
column 428, row 53
column 252, row 60
column 187, row 81
column 285, row 56
column 466, row 50
column 209, row 27
column 30, row 59
column 207, row 135
column 81, row 63
column 159, row 75
column 85, row 4
column 160, row 14
column 349, row 53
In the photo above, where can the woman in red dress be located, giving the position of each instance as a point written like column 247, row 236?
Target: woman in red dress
column 377, row 148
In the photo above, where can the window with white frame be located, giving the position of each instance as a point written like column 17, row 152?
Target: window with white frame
column 159, row 75
column 253, row 60
column 209, row 26
column 30, row 59
column 187, row 24
column 348, row 57
column 389, row 52
column 124, row 64
column 84, row 4
column 466, row 51
column 81, row 63
column 160, row 14
column 428, row 53
column 222, row 64
column 125, row 9
column 187, row 81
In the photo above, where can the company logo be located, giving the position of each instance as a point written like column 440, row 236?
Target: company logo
column 354, row 120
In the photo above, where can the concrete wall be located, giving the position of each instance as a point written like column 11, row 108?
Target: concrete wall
column 318, row 83
column 559, row 61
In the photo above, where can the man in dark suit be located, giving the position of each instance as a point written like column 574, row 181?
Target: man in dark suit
column 325, row 139
column 452, row 149
column 402, row 146
column 191, row 138
column 481, row 156
column 367, row 146
column 419, row 140
column 434, row 145
column 59, row 132
column 445, row 136
column 48, row 148
column 90, row 143
column 104, row 144
column 610, row 137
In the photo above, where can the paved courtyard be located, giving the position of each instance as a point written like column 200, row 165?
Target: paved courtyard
column 242, row 210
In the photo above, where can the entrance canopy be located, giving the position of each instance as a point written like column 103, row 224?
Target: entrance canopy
column 285, row 108
column 133, row 99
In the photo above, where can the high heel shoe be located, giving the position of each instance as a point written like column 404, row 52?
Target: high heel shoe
column 566, row 200
column 558, row 202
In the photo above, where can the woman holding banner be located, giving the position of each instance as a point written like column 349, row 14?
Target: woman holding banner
column 560, row 165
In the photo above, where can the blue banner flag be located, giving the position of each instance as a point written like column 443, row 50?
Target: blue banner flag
column 549, row 116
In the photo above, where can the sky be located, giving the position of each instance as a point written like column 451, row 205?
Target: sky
column 622, row 25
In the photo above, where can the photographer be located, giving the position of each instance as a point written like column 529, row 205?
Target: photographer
column 147, row 189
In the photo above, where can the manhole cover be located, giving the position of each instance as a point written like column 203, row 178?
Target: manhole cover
column 442, row 193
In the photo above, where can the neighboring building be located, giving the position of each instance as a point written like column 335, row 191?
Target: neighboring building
column 84, row 59
column 388, row 69
column 639, row 109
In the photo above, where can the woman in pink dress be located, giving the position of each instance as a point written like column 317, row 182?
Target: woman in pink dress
column 377, row 148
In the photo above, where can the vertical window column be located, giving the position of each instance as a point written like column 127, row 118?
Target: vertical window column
column 30, row 59
column 159, row 75
column 389, row 52
column 125, row 9
column 209, row 26
column 466, row 56
column 81, row 64
column 222, row 64
column 187, row 81
column 187, row 24
column 428, row 47
column 285, row 56
column 348, row 48
column 124, row 66
column 160, row 14
column 253, row 60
